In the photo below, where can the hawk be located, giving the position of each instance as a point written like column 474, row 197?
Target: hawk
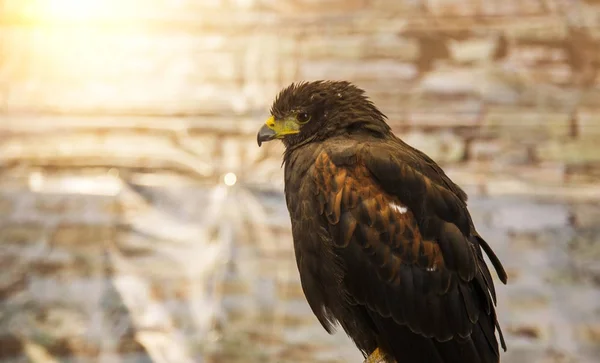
column 383, row 239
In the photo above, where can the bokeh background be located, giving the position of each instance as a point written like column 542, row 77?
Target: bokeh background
column 140, row 222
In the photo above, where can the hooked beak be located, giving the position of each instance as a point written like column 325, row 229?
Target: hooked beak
column 277, row 129
column 265, row 134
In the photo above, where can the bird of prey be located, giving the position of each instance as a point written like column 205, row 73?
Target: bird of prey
column 384, row 243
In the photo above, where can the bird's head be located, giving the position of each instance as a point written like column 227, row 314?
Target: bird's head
column 312, row 111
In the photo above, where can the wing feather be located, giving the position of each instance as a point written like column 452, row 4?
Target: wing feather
column 406, row 240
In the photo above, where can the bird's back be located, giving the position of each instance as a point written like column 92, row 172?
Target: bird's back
column 380, row 243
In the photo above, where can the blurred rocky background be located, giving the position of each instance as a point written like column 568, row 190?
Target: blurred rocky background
column 139, row 221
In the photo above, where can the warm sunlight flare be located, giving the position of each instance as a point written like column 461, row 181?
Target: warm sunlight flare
column 73, row 9
column 77, row 54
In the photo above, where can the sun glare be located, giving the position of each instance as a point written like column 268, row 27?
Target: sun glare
column 73, row 9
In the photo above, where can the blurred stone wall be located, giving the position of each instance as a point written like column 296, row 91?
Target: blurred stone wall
column 120, row 241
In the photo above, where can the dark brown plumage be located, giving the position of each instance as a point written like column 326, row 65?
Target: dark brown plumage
column 384, row 243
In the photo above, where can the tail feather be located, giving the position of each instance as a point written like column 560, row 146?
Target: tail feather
column 404, row 346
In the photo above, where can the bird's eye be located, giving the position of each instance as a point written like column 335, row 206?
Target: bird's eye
column 303, row 117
